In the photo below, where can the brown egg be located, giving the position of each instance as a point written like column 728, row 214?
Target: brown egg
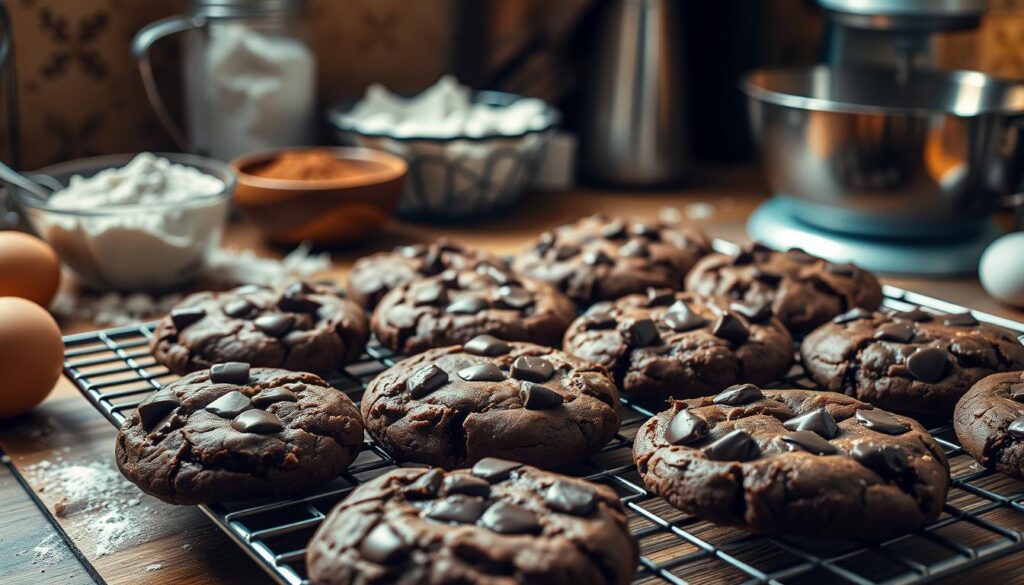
column 29, row 268
column 31, row 355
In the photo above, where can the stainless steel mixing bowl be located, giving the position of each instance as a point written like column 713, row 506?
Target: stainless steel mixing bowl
column 866, row 153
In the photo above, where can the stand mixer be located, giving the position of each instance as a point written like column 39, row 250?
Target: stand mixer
column 879, row 158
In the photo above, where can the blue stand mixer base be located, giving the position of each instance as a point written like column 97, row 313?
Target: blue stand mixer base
column 773, row 226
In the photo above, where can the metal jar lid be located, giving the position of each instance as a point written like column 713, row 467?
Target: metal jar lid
column 246, row 8
column 910, row 15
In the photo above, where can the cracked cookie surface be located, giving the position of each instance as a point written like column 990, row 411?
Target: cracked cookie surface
column 603, row 258
column 499, row 524
column 803, row 291
column 237, row 434
column 457, row 305
column 373, row 276
column 451, row 407
column 989, row 421
column 693, row 345
column 910, row 362
column 794, row 462
column 301, row 326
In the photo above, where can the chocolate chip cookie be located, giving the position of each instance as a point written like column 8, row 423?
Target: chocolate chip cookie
column 681, row 344
column 374, row 275
column 603, row 258
column 794, row 462
column 908, row 361
column 501, row 523
column 804, row 291
column 989, row 421
column 303, row 327
column 451, row 407
column 235, row 433
column 457, row 305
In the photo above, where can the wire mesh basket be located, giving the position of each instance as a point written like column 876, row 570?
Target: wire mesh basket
column 982, row 520
column 458, row 177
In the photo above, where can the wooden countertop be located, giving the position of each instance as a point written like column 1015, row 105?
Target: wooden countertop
column 169, row 544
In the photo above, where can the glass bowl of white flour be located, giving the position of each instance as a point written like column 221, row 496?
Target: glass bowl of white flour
column 144, row 222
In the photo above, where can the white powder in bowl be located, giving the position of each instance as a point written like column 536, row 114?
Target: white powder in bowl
column 158, row 226
column 147, row 179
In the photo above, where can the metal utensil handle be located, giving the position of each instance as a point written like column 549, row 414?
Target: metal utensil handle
column 13, row 177
column 141, row 44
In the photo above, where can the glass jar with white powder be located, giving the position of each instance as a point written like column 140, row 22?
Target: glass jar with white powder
column 249, row 71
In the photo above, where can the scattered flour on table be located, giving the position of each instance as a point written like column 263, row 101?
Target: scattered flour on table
column 51, row 549
column 105, row 504
column 227, row 268
column 691, row 212
column 153, row 567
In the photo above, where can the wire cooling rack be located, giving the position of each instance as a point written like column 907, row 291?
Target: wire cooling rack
column 983, row 517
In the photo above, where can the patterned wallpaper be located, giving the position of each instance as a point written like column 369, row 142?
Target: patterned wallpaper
column 79, row 87
column 80, row 91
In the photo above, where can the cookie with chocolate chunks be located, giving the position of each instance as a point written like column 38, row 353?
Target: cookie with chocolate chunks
column 373, row 276
column 412, row 318
column 684, row 345
column 299, row 326
column 909, row 361
column 800, row 463
column 216, row 437
column 530, row 526
column 989, row 421
column 803, row 291
column 603, row 258
column 451, row 407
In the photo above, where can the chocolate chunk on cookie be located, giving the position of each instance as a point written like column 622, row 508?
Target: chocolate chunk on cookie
column 200, row 440
column 530, row 526
column 989, row 421
column 603, row 258
column 301, row 326
column 373, row 276
column 908, row 362
column 450, row 407
column 795, row 462
column 804, row 291
column 473, row 303
column 685, row 346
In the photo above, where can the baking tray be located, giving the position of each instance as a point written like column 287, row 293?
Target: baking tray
column 982, row 520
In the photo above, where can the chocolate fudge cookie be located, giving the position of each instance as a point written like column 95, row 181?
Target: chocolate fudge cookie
column 908, row 361
column 374, row 275
column 989, row 421
column 794, row 462
column 451, row 407
column 457, row 305
column 804, row 291
column 235, row 433
column 603, row 258
column 302, row 327
column 666, row 343
column 500, row 524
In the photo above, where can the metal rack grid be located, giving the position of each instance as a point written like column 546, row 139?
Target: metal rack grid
column 983, row 517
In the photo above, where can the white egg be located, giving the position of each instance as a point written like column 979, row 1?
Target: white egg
column 1002, row 269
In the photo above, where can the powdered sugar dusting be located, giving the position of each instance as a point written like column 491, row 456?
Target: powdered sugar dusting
column 107, row 504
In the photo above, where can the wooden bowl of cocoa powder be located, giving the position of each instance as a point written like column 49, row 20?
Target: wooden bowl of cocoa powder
column 324, row 195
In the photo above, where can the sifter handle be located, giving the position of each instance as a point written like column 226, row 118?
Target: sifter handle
column 141, row 44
